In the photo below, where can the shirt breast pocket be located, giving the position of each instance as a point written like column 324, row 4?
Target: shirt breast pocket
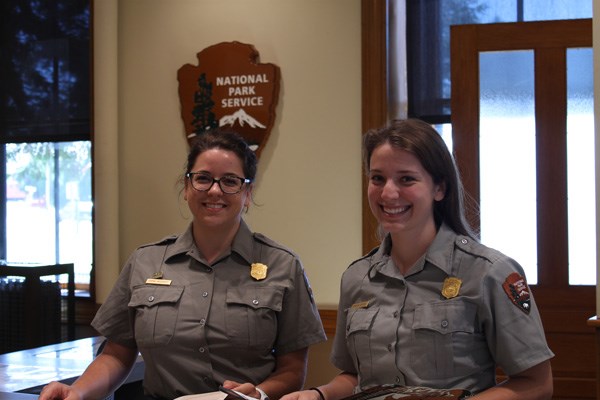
column 444, row 333
column 359, row 324
column 251, row 315
column 156, row 310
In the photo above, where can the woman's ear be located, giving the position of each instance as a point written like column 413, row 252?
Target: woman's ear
column 248, row 199
column 440, row 192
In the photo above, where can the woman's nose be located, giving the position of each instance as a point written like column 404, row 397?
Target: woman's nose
column 390, row 190
column 216, row 187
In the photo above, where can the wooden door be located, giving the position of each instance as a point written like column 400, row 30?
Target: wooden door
column 565, row 308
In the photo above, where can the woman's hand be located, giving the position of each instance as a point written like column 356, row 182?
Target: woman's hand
column 303, row 395
column 339, row 387
column 288, row 376
column 245, row 388
column 104, row 375
column 57, row 390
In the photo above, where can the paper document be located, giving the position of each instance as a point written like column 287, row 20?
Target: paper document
column 204, row 396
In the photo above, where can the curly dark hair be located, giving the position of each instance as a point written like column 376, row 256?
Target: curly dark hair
column 225, row 139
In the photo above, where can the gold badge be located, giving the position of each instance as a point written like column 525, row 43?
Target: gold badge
column 258, row 271
column 451, row 287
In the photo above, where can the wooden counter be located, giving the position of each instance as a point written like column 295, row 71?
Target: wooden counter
column 27, row 371
column 595, row 323
column 17, row 396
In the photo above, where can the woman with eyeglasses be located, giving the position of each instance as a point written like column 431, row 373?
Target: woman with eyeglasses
column 216, row 305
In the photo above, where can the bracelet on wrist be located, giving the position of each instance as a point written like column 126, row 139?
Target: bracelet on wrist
column 318, row 391
column 263, row 395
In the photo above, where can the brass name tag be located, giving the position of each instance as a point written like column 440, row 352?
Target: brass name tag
column 165, row 282
column 362, row 304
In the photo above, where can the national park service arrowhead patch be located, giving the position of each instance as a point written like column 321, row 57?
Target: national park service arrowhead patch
column 515, row 287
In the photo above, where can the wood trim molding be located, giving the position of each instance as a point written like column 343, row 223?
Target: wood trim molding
column 85, row 310
column 329, row 318
column 594, row 322
column 374, row 91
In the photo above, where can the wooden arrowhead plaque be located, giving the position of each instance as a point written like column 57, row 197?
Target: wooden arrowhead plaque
column 229, row 88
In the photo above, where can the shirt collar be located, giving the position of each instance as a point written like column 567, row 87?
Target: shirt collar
column 441, row 250
column 439, row 254
column 243, row 242
column 184, row 244
column 382, row 263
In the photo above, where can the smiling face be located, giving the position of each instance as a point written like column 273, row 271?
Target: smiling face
column 213, row 208
column 401, row 192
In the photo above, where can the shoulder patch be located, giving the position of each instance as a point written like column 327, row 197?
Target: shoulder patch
column 515, row 287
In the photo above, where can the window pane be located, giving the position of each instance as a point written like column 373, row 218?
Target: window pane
column 428, row 41
column 45, row 69
column 45, row 97
column 507, row 170
column 49, row 204
column 581, row 168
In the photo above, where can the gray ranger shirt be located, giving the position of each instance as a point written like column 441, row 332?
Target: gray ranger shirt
column 212, row 322
column 402, row 329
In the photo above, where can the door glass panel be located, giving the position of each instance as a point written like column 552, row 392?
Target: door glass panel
column 445, row 131
column 507, row 156
column 581, row 167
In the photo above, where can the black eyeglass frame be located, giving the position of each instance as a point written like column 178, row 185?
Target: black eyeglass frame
column 243, row 181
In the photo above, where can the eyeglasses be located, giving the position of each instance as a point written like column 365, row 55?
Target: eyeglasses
column 229, row 184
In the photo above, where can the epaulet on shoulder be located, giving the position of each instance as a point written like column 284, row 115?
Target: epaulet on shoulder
column 475, row 248
column 369, row 254
column 161, row 242
column 271, row 243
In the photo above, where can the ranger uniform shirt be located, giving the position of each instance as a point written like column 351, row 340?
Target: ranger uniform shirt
column 417, row 330
column 210, row 322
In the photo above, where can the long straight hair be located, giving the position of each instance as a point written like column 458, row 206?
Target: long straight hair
column 421, row 139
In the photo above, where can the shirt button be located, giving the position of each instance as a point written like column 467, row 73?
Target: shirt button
column 445, row 324
column 202, row 321
column 395, row 314
column 204, row 294
column 201, row 350
column 389, row 347
column 397, row 379
column 255, row 302
column 151, row 298
column 464, row 241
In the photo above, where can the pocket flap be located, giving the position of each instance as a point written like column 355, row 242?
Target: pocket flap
column 256, row 297
column 152, row 295
column 360, row 319
column 445, row 317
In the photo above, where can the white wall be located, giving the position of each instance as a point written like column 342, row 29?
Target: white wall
column 309, row 180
